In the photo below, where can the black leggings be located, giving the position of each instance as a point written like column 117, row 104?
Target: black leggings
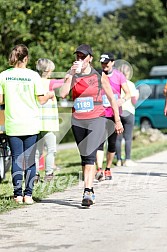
column 111, row 135
column 88, row 134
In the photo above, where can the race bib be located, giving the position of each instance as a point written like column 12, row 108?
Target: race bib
column 106, row 102
column 83, row 104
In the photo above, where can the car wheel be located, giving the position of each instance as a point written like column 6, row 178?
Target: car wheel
column 145, row 125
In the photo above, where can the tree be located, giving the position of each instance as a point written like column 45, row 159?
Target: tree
column 54, row 28
column 44, row 26
column 146, row 21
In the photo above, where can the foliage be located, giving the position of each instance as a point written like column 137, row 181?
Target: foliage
column 54, row 28
column 146, row 21
column 44, row 26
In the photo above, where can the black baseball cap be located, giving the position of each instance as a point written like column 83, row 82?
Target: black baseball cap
column 85, row 49
column 106, row 57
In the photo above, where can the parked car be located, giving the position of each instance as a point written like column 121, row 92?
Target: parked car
column 158, row 71
column 150, row 107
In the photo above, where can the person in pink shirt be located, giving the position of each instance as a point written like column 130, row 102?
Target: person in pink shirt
column 117, row 81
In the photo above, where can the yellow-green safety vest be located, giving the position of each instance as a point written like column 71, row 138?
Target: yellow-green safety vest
column 49, row 112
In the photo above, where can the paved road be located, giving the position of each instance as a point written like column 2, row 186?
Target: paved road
column 129, row 216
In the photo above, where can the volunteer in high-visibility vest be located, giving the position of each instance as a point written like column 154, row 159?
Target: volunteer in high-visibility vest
column 49, row 119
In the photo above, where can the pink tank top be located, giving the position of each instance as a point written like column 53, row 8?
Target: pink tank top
column 116, row 79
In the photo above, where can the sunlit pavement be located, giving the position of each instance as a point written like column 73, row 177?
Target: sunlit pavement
column 129, row 215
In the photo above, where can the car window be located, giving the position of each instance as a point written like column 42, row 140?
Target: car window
column 159, row 91
column 152, row 94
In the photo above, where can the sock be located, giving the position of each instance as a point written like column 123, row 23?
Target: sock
column 87, row 190
column 92, row 190
column 99, row 168
column 107, row 169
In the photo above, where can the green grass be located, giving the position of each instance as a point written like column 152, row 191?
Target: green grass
column 69, row 174
column 68, row 160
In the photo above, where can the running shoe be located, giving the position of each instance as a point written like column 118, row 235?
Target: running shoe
column 129, row 163
column 119, row 163
column 87, row 199
column 93, row 198
column 49, row 177
column 99, row 174
column 18, row 199
column 28, row 200
column 108, row 175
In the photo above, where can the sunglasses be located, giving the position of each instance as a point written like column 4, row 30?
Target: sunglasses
column 82, row 57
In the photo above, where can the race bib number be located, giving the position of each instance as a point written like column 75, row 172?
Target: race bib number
column 106, row 102
column 83, row 104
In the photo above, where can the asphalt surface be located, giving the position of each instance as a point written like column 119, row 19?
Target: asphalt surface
column 129, row 215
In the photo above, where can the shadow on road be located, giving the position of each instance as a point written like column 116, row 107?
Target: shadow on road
column 63, row 202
